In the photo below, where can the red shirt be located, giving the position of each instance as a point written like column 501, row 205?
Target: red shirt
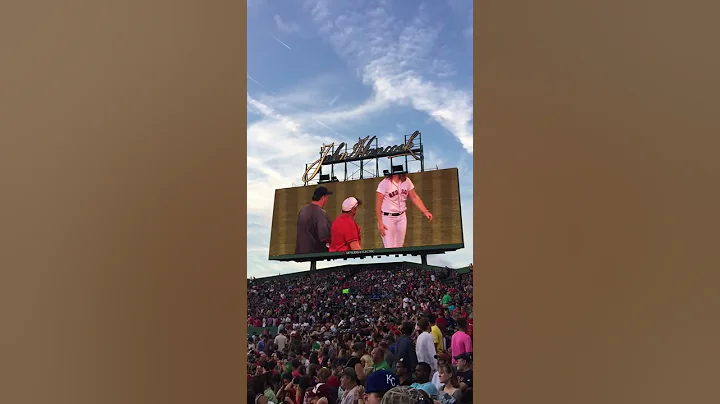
column 333, row 381
column 343, row 231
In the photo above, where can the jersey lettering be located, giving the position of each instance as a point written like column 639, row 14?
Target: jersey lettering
column 395, row 195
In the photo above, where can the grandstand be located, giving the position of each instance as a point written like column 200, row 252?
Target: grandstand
column 361, row 267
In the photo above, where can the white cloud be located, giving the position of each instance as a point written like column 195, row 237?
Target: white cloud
column 286, row 27
column 391, row 56
column 319, row 9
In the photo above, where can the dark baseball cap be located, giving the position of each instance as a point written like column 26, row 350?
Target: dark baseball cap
column 320, row 192
column 380, row 381
column 443, row 357
column 350, row 374
column 465, row 356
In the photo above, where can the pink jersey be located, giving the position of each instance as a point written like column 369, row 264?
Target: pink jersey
column 459, row 344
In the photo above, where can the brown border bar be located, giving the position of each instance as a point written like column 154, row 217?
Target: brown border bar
column 596, row 259
column 123, row 219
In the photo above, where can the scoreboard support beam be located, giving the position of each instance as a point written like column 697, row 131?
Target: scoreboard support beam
column 423, row 259
column 313, row 265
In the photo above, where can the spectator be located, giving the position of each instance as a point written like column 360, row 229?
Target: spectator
column 321, row 392
column 461, row 342
column 257, row 385
column 447, row 299
column 379, row 363
column 406, row 347
column 442, row 358
column 281, row 340
column 295, row 364
column 283, row 390
column 450, row 391
column 436, row 334
column 377, row 384
column 422, row 380
column 464, row 369
column 389, row 357
column 355, row 362
column 402, row 395
column 351, row 390
column 403, row 373
column 425, row 346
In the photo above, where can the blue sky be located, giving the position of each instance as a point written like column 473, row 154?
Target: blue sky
column 322, row 71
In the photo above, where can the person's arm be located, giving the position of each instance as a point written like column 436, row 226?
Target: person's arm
column 379, row 196
column 415, row 198
column 360, row 371
column 352, row 236
column 378, row 205
column 468, row 345
column 324, row 224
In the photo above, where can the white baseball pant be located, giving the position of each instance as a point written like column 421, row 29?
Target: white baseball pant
column 396, row 229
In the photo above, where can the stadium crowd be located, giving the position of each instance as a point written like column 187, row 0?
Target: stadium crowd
column 361, row 335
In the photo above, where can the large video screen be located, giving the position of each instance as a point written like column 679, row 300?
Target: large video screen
column 309, row 225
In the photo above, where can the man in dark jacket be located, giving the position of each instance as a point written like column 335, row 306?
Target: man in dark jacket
column 405, row 348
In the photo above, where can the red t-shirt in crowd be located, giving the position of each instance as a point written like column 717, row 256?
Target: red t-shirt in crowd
column 344, row 231
column 333, row 381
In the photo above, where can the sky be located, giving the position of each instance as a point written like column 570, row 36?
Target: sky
column 324, row 71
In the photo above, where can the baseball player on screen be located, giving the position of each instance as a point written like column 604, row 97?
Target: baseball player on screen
column 390, row 207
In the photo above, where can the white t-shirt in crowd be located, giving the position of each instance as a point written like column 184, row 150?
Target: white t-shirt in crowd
column 436, row 381
column 281, row 341
column 406, row 302
column 394, row 195
column 425, row 350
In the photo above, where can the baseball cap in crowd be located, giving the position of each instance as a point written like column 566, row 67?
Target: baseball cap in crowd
column 320, row 192
column 380, row 381
column 350, row 373
column 443, row 357
column 349, row 203
column 320, row 390
column 403, row 395
column 465, row 356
